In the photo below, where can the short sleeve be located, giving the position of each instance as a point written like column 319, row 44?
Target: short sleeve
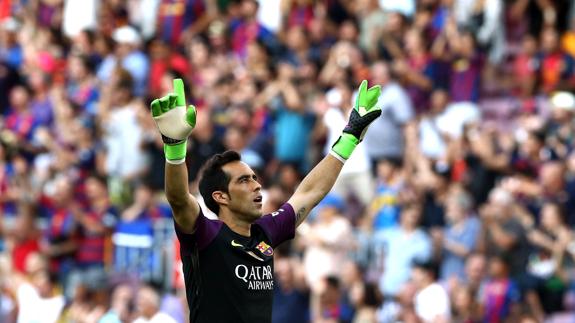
column 204, row 233
column 279, row 225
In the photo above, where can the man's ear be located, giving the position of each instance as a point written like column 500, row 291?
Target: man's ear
column 221, row 197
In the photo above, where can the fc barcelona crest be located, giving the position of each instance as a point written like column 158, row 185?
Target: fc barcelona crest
column 265, row 249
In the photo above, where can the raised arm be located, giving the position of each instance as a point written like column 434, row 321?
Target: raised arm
column 175, row 124
column 320, row 180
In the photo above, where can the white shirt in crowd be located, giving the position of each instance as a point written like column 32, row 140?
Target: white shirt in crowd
column 432, row 303
column 158, row 318
column 123, row 141
column 34, row 309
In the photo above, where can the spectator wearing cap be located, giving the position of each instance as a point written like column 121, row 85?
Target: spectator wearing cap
column 561, row 127
column 127, row 53
column 398, row 247
column 432, row 302
column 10, row 50
column 327, row 241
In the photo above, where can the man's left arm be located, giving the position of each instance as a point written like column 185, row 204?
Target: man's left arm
column 321, row 179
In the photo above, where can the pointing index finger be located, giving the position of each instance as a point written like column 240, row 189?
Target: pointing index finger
column 179, row 90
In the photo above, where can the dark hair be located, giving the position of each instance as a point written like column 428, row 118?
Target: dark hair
column 333, row 282
column 371, row 295
column 213, row 178
column 430, row 267
column 103, row 180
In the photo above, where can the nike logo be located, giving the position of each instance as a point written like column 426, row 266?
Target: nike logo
column 235, row 244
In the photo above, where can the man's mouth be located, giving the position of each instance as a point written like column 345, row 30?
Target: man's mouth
column 258, row 199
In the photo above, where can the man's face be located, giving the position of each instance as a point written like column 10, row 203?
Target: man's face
column 244, row 191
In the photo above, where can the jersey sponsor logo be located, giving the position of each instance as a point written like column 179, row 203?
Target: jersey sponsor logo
column 265, row 249
column 235, row 244
column 256, row 277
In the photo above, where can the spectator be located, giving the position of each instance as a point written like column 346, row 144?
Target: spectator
column 121, row 301
column 128, row 55
column 401, row 246
column 95, row 225
column 328, row 306
column 148, row 307
column 122, row 133
column 248, row 29
column 555, row 67
column 366, row 299
column 465, row 305
column 327, row 241
column 431, row 300
column 547, row 262
column 178, row 20
column 291, row 294
column 503, row 232
column 501, row 295
column 59, row 242
column 133, row 237
column 385, row 208
column 461, row 235
column 82, row 88
column 39, row 299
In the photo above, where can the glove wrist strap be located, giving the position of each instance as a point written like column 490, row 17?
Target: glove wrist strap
column 344, row 146
column 176, row 153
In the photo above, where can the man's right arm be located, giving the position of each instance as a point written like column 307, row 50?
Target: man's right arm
column 184, row 205
column 175, row 123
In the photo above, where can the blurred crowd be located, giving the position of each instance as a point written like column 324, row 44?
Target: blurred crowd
column 459, row 205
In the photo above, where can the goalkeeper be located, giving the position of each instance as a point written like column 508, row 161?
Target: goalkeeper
column 228, row 263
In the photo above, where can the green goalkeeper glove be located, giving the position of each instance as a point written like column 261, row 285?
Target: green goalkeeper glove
column 174, row 122
column 362, row 115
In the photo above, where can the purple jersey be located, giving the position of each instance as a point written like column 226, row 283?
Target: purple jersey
column 229, row 277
